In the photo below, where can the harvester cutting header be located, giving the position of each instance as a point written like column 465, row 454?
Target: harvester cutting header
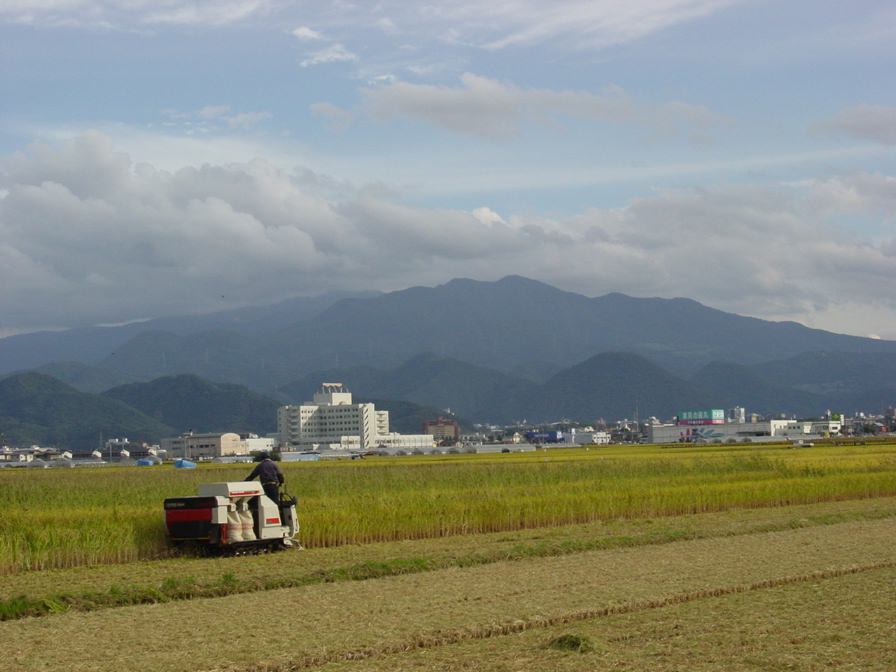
column 232, row 517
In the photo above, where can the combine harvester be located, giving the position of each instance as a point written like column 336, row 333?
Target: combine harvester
column 232, row 518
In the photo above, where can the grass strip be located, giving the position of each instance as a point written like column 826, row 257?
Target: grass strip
column 421, row 559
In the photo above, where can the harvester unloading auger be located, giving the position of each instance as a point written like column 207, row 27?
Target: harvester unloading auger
column 234, row 517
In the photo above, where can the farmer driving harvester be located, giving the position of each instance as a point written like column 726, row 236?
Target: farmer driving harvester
column 237, row 517
column 270, row 476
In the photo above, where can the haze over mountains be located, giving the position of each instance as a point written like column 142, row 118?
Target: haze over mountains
column 491, row 351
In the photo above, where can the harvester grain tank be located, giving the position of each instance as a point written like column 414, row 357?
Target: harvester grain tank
column 232, row 517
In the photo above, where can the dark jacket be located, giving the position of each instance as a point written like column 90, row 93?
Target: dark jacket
column 267, row 472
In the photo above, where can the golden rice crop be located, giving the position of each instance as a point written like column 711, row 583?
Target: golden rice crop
column 63, row 518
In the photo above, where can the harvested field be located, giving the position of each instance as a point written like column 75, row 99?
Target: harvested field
column 843, row 623
column 434, row 610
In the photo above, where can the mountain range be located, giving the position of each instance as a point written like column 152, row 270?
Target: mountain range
column 489, row 351
column 616, row 385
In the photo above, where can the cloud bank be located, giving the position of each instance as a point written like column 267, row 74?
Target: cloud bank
column 489, row 108
column 114, row 14
column 87, row 235
column 876, row 123
column 577, row 24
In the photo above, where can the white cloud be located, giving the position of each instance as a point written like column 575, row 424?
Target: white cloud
column 171, row 150
column 306, row 34
column 337, row 118
column 113, row 14
column 587, row 24
column 87, row 235
column 489, row 108
column 876, row 123
column 335, row 53
column 577, row 24
column 488, row 216
column 246, row 119
column 387, row 25
column 210, row 12
column 570, row 24
column 212, row 111
column 855, row 193
column 216, row 118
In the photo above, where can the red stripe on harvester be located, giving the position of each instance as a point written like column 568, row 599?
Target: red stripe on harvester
column 272, row 521
column 188, row 515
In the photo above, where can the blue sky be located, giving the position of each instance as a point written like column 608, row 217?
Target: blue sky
column 158, row 156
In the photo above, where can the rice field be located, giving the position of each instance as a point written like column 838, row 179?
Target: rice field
column 614, row 558
column 71, row 518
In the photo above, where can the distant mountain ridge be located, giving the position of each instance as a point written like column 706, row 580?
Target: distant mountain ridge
column 512, row 321
column 612, row 385
column 511, row 326
column 90, row 345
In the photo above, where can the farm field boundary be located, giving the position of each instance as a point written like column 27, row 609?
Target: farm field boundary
column 331, row 620
column 37, row 593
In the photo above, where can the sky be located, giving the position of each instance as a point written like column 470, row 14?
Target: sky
column 160, row 157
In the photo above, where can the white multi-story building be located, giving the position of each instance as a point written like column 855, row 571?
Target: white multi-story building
column 767, row 430
column 821, row 428
column 258, row 444
column 206, row 445
column 332, row 420
column 588, row 436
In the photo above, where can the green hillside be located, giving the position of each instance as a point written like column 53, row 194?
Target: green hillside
column 38, row 409
column 610, row 385
column 188, row 402
column 85, row 377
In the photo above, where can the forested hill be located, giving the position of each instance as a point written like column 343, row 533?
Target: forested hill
column 189, row 402
column 38, row 409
